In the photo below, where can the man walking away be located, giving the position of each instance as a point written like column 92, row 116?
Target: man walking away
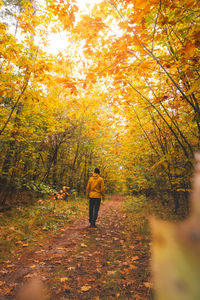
column 94, row 192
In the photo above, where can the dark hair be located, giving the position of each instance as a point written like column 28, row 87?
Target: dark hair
column 96, row 170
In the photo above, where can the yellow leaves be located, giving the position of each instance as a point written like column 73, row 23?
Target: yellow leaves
column 27, row 20
column 123, row 25
column 194, row 88
column 89, row 27
column 65, row 11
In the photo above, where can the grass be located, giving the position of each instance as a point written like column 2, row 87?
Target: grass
column 138, row 210
column 137, row 213
column 24, row 226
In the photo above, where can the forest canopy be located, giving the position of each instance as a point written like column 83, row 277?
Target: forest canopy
column 122, row 95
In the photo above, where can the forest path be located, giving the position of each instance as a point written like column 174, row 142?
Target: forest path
column 82, row 263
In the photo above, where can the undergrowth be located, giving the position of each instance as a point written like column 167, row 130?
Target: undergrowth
column 136, row 214
column 139, row 209
column 24, row 226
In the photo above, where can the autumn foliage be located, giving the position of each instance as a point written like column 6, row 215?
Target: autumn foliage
column 123, row 96
column 148, row 51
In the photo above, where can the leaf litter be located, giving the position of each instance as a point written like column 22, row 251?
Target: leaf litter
column 102, row 263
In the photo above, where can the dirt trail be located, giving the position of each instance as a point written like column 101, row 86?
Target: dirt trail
column 83, row 263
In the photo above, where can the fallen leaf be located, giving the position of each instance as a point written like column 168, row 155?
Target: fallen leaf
column 64, row 279
column 132, row 267
column 98, row 271
column 9, row 266
column 3, row 271
column 33, row 266
column 111, row 272
column 134, row 258
column 1, row 283
column 30, row 275
column 131, row 246
column 25, row 245
column 126, row 271
column 83, row 245
column 85, row 288
column 148, row 284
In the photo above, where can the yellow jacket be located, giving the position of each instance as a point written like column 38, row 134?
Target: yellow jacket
column 95, row 187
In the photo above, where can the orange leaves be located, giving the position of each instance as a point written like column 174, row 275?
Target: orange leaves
column 64, row 279
column 190, row 3
column 135, row 258
column 85, row 288
column 65, row 11
column 89, row 27
column 194, row 87
column 123, row 25
column 28, row 20
column 140, row 4
column 189, row 49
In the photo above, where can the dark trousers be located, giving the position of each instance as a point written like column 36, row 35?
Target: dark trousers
column 94, row 205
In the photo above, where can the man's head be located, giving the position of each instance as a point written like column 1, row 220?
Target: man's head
column 96, row 170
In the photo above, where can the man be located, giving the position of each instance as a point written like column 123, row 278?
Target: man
column 94, row 192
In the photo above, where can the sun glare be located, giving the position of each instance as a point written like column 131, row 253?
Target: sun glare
column 86, row 5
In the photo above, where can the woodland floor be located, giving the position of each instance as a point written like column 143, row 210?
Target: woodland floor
column 80, row 262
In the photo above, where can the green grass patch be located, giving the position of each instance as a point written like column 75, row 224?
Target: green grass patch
column 139, row 208
column 24, row 226
column 137, row 212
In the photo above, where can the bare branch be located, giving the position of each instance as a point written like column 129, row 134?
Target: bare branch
column 154, row 30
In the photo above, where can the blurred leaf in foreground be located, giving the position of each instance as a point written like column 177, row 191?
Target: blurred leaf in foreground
column 176, row 252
